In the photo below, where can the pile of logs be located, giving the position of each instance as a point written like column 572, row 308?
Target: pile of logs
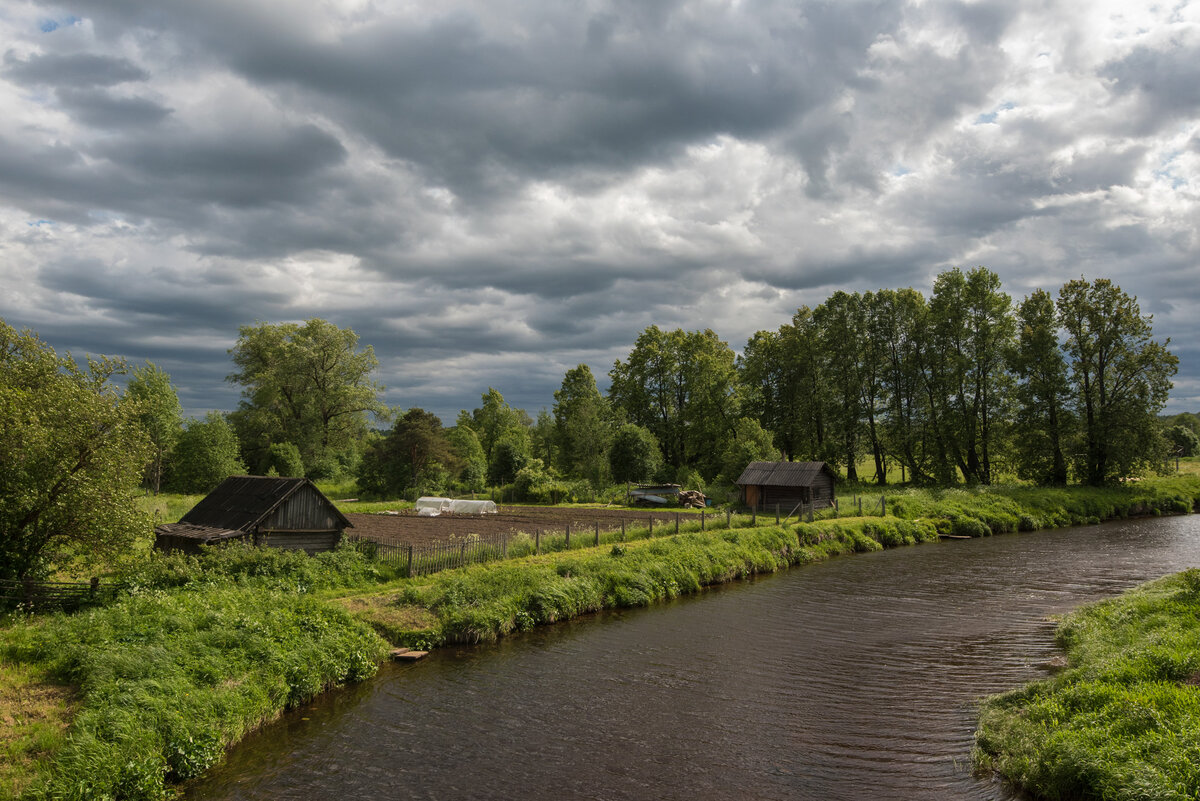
column 692, row 499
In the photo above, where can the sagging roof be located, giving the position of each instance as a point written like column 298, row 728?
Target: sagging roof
column 781, row 474
column 242, row 502
column 192, row 531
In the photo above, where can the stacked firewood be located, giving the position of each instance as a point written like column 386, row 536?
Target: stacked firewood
column 692, row 499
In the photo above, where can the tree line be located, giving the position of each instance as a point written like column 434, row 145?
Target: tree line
column 962, row 386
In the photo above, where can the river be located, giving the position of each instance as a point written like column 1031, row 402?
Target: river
column 855, row 678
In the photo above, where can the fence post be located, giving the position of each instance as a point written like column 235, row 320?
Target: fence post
column 860, row 507
column 702, row 520
column 622, row 529
column 537, row 541
column 94, row 589
column 754, row 516
column 677, row 522
column 462, row 557
column 651, row 524
column 504, row 545
column 777, row 514
column 410, row 561
column 597, row 532
column 728, row 519
column 568, row 535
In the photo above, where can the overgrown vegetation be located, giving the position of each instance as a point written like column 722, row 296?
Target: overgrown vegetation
column 199, row 652
column 1123, row 720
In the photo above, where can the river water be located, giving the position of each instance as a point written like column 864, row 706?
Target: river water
column 855, row 679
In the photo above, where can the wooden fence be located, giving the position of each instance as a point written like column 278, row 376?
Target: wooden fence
column 49, row 596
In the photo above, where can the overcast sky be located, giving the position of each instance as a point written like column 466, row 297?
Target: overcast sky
column 492, row 192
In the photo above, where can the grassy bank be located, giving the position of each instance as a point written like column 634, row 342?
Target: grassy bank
column 200, row 652
column 1123, row 720
column 484, row 602
column 124, row 700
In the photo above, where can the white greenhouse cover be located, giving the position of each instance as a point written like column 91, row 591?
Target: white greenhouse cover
column 432, row 507
column 473, row 507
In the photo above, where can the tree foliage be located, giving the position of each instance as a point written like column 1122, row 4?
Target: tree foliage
column 159, row 414
column 206, row 454
column 416, row 453
column 634, row 454
column 306, row 384
column 584, row 426
column 1121, row 378
column 72, row 451
column 682, row 386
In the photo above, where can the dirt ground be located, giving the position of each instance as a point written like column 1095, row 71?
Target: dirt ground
column 407, row 528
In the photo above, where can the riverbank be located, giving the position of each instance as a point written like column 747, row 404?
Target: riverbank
column 201, row 651
column 1122, row 720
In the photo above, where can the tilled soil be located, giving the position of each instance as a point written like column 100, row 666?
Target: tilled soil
column 407, row 528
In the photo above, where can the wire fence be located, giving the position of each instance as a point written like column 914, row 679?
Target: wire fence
column 417, row 559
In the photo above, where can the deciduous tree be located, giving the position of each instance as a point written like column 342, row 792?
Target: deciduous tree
column 306, row 384
column 206, row 453
column 73, row 453
column 1120, row 379
column 159, row 413
column 1042, row 417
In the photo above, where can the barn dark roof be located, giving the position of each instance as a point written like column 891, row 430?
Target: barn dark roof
column 242, row 502
column 781, row 474
column 192, row 531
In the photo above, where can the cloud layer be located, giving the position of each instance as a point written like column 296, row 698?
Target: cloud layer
column 490, row 193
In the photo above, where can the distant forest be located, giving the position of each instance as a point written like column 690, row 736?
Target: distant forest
column 963, row 386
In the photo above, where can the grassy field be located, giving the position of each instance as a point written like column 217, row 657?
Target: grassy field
column 121, row 701
column 1123, row 720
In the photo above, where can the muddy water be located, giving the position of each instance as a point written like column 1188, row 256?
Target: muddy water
column 852, row 679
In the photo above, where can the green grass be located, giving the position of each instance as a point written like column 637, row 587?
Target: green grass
column 1123, row 721
column 202, row 651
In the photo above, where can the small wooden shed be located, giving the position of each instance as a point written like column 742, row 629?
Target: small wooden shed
column 263, row 510
column 788, row 484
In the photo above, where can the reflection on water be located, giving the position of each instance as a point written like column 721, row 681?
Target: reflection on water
column 851, row 679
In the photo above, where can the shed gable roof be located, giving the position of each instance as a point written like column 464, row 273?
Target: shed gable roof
column 242, row 502
column 782, row 474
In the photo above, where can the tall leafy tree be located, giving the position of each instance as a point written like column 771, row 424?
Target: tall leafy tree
column 1121, row 378
column 495, row 419
column 159, row 413
column 841, row 323
column 72, row 451
column 307, row 384
column 1042, row 393
column 972, row 329
column 898, row 326
column 206, row 453
column 682, row 387
column 584, row 425
column 415, row 453
column 634, row 455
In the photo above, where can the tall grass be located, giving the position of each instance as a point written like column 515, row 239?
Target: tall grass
column 200, row 652
column 484, row 602
column 1123, row 721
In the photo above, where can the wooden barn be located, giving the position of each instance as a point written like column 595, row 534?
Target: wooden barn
column 765, row 484
column 263, row 510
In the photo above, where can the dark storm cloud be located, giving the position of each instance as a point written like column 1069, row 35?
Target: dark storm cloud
column 102, row 110
column 71, row 70
column 515, row 187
